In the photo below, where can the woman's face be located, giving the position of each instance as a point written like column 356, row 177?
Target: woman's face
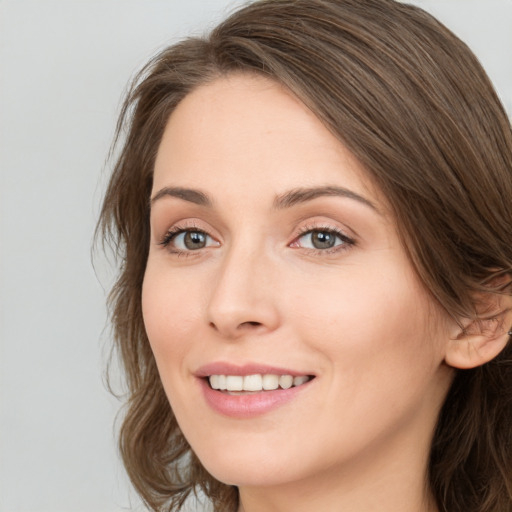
column 274, row 262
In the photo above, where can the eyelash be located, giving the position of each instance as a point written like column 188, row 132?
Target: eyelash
column 348, row 242
column 175, row 231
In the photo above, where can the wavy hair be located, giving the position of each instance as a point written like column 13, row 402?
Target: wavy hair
column 413, row 104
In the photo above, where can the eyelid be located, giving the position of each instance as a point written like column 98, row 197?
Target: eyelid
column 191, row 225
column 325, row 225
column 348, row 241
column 172, row 236
column 184, row 226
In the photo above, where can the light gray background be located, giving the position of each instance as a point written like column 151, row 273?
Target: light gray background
column 63, row 67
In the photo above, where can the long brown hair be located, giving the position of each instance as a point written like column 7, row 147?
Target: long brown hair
column 413, row 104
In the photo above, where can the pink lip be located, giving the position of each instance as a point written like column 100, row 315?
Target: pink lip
column 221, row 368
column 246, row 405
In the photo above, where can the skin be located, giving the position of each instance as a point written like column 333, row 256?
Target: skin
column 355, row 315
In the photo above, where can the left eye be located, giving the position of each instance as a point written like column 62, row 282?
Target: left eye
column 191, row 240
column 321, row 239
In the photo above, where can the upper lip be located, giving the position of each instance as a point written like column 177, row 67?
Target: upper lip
column 224, row 368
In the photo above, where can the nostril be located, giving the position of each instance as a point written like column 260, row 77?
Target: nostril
column 243, row 324
column 250, row 324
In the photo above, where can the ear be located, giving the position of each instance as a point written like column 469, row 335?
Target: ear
column 481, row 340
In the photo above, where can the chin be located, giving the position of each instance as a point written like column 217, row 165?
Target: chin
column 252, row 467
column 248, row 474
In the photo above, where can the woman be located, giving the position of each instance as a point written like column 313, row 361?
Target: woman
column 312, row 206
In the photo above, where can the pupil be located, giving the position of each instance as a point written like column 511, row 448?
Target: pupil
column 195, row 240
column 323, row 240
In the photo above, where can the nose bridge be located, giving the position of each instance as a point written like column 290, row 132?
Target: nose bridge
column 242, row 298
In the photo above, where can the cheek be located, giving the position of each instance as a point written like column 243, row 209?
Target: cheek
column 170, row 312
column 380, row 361
column 370, row 322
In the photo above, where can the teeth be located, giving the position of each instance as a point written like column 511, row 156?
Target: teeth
column 253, row 383
column 270, row 382
column 218, row 382
column 234, row 382
column 222, row 382
column 297, row 381
column 257, row 382
column 286, row 381
column 214, row 381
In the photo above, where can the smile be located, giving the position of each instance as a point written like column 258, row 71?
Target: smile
column 255, row 383
column 250, row 390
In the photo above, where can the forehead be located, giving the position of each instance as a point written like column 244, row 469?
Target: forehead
column 252, row 133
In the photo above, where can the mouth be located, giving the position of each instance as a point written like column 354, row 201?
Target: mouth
column 255, row 383
column 250, row 390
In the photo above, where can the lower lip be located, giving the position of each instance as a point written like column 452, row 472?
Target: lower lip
column 248, row 405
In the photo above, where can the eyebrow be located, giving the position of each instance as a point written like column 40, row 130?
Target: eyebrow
column 302, row 195
column 283, row 201
column 187, row 194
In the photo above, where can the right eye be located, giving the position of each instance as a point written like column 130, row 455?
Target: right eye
column 185, row 240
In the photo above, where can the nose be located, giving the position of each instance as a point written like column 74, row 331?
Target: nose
column 243, row 300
